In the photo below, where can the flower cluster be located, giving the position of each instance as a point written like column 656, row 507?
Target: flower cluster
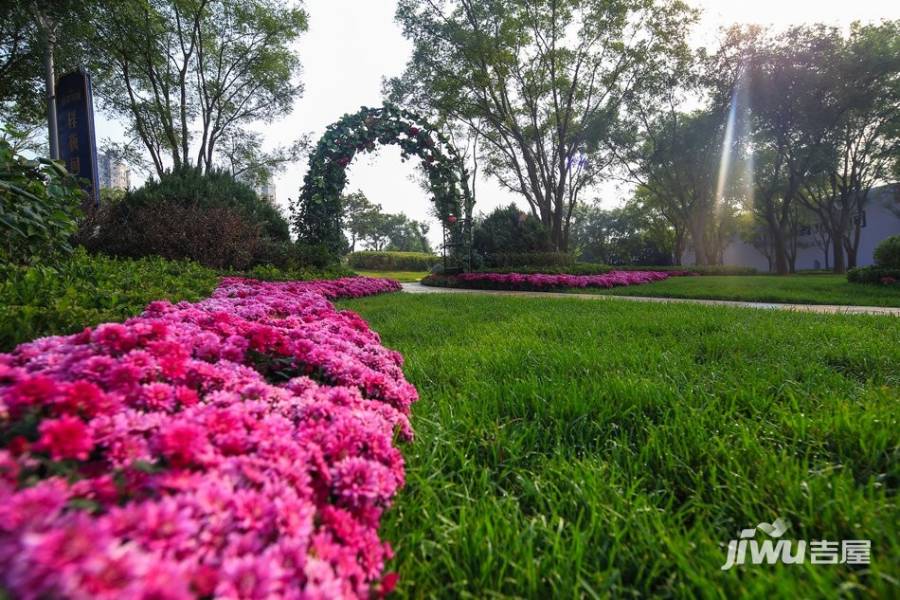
column 518, row 281
column 239, row 447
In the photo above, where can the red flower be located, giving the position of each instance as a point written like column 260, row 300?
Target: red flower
column 413, row 131
column 183, row 444
column 451, row 219
column 888, row 280
column 66, row 437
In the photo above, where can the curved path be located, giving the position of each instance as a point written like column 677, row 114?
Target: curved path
column 418, row 288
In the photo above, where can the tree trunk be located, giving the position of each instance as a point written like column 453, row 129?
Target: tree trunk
column 837, row 249
column 781, row 255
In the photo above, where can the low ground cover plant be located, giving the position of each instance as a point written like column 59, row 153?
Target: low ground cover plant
column 392, row 261
column 886, row 270
column 543, row 281
column 241, row 446
column 85, row 290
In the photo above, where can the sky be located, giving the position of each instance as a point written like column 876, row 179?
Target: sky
column 352, row 45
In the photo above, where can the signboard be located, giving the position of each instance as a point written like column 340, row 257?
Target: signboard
column 75, row 119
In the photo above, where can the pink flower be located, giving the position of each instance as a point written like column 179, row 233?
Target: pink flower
column 184, row 444
column 31, row 391
column 66, row 437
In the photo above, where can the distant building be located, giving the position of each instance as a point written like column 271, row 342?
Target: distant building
column 113, row 175
column 266, row 191
column 879, row 220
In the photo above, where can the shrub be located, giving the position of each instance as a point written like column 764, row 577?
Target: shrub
column 578, row 268
column 508, row 230
column 392, row 261
column 84, row 290
column 887, row 253
column 874, row 274
column 190, row 187
column 529, row 259
column 215, row 236
column 39, row 205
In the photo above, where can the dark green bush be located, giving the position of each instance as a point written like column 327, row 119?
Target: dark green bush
column 84, row 290
column 191, row 187
column 214, row 236
column 874, row 274
column 508, row 230
column 392, row 261
column 579, row 268
column 887, row 253
column 528, row 259
column 211, row 219
column 39, row 206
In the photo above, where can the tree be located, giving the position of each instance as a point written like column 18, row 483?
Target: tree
column 509, row 230
column 629, row 235
column 675, row 158
column 408, row 235
column 359, row 215
column 540, row 82
column 861, row 140
column 791, row 114
column 187, row 74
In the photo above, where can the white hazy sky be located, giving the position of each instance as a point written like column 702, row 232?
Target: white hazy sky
column 352, row 44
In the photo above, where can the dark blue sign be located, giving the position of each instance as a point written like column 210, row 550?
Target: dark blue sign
column 75, row 119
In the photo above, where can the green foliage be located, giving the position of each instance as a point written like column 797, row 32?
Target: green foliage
column 39, row 205
column 192, row 187
column 634, row 234
column 85, row 290
column 166, row 66
column 528, row 259
column 508, row 230
column 212, row 219
column 393, row 261
column 874, row 275
column 317, row 214
column 518, row 72
column 271, row 273
column 566, row 449
column 887, row 253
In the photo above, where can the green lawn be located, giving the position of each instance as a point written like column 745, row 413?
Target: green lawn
column 401, row 276
column 795, row 289
column 570, row 449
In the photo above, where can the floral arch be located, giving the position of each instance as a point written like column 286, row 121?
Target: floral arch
column 317, row 214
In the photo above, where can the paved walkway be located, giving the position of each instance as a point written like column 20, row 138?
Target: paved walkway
column 418, row 288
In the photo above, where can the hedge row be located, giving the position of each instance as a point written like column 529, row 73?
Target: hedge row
column 874, row 274
column 392, row 261
column 528, row 259
column 86, row 289
column 580, row 268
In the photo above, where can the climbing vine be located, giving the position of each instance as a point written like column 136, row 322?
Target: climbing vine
column 317, row 214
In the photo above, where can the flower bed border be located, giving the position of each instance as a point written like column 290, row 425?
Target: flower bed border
column 541, row 282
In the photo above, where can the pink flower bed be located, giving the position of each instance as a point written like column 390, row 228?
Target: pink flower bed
column 239, row 447
column 542, row 282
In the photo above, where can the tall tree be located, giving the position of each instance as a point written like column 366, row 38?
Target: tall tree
column 861, row 138
column 540, row 81
column 187, row 74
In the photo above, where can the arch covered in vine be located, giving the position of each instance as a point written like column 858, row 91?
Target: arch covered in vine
column 317, row 213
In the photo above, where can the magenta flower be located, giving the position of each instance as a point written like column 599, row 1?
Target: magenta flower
column 66, row 437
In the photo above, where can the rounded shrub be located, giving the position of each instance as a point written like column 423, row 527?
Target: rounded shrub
column 887, row 253
column 191, row 187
